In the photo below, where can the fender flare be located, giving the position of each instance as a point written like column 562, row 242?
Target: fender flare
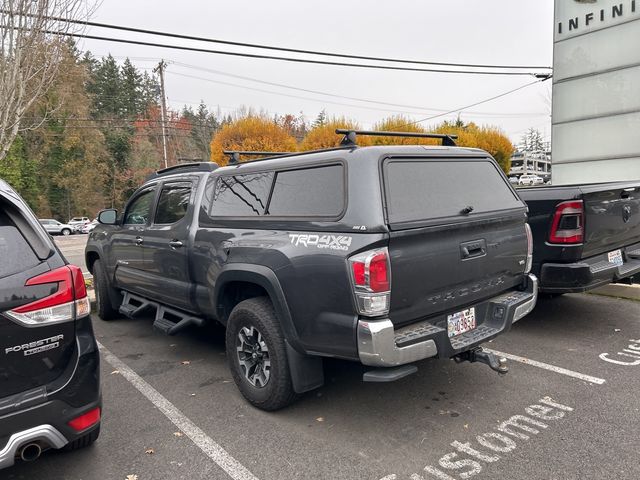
column 267, row 279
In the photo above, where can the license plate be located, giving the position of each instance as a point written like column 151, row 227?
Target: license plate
column 461, row 322
column 615, row 257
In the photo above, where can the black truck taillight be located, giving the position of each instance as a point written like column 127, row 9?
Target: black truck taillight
column 371, row 279
column 568, row 223
column 68, row 302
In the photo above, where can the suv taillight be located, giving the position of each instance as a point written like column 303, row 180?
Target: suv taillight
column 371, row 280
column 568, row 223
column 527, row 229
column 68, row 302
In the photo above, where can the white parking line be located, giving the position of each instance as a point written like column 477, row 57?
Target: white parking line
column 214, row 451
column 546, row 366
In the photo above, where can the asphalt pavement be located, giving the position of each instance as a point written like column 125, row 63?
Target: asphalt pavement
column 568, row 409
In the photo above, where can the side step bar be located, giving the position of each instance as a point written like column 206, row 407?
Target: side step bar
column 168, row 320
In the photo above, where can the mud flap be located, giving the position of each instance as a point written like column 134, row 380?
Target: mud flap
column 307, row 372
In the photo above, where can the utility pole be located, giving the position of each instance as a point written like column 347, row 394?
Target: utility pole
column 163, row 111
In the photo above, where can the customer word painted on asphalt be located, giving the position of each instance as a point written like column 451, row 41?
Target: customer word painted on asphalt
column 629, row 356
column 469, row 459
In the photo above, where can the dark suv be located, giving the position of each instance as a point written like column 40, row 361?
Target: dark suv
column 49, row 361
column 380, row 255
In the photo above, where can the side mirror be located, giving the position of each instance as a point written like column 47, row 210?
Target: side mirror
column 108, row 216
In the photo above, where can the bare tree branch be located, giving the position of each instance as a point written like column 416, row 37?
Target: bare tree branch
column 30, row 57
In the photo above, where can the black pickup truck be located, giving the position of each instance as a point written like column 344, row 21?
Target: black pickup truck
column 584, row 236
column 380, row 255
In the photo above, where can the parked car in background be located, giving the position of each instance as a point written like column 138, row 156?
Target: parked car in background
column 530, row 179
column 584, row 236
column 54, row 227
column 513, row 180
column 341, row 253
column 49, row 362
column 78, row 222
column 88, row 227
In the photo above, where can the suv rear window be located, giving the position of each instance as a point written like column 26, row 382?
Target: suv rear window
column 419, row 191
column 16, row 254
column 306, row 192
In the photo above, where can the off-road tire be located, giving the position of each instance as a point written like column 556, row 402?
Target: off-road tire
column 84, row 441
column 278, row 391
column 102, row 287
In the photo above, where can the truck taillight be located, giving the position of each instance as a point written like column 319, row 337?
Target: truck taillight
column 568, row 223
column 67, row 302
column 527, row 229
column 371, row 279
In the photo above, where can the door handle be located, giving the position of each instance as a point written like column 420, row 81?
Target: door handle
column 139, row 241
column 175, row 244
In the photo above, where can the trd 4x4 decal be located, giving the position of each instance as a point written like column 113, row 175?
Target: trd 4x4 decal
column 331, row 242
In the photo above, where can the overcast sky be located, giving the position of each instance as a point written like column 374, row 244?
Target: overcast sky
column 512, row 32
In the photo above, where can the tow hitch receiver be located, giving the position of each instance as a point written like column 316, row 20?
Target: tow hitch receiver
column 499, row 364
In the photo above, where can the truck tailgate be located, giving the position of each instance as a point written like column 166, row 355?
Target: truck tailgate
column 451, row 258
column 612, row 216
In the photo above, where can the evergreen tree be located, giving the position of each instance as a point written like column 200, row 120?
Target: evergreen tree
column 131, row 83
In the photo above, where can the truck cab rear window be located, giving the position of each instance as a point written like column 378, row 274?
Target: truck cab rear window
column 425, row 191
column 307, row 192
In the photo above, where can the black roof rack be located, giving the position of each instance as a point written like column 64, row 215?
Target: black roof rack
column 350, row 136
column 234, row 155
column 185, row 167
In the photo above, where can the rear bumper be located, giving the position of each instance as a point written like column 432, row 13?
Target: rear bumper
column 42, row 415
column 381, row 345
column 589, row 273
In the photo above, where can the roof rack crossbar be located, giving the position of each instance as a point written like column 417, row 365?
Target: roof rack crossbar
column 448, row 140
column 234, row 155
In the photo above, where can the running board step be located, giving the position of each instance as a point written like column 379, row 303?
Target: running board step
column 380, row 375
column 132, row 305
column 170, row 321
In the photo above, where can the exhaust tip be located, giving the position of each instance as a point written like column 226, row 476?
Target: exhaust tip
column 30, row 452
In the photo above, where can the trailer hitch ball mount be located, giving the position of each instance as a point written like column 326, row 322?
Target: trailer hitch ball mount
column 498, row 364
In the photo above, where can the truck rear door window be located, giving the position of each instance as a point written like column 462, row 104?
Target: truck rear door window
column 428, row 190
column 15, row 252
column 309, row 192
column 173, row 203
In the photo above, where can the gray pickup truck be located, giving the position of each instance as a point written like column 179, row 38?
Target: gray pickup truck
column 584, row 236
column 379, row 255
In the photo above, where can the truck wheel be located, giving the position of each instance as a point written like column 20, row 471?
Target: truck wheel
column 257, row 355
column 102, row 287
column 84, row 441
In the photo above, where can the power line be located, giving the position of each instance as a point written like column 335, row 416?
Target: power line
column 318, row 92
column 286, row 59
column 293, row 50
column 477, row 103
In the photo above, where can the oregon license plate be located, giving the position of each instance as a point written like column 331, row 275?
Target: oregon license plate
column 461, row 322
column 615, row 257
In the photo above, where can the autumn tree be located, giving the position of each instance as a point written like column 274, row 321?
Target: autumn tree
column 30, row 57
column 324, row 135
column 400, row 123
column 252, row 133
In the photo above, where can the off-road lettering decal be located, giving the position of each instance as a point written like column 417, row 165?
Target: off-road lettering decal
column 330, row 242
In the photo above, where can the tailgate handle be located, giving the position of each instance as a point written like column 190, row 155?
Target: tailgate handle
column 473, row 249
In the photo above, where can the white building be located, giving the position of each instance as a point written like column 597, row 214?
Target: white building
column 532, row 163
column 596, row 91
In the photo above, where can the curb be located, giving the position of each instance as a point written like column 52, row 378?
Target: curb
column 619, row 290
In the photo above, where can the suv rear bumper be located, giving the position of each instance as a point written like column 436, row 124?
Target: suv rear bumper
column 42, row 415
column 589, row 273
column 381, row 345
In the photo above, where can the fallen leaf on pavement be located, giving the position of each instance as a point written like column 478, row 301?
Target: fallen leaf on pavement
column 149, row 451
column 186, row 362
column 115, row 372
column 132, row 477
column 320, row 419
column 178, row 434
